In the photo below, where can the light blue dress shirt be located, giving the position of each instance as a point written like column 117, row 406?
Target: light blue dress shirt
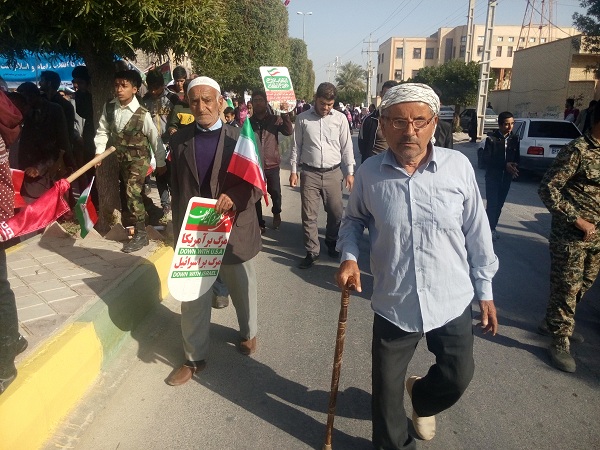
column 429, row 235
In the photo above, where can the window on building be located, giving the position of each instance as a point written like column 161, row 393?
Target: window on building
column 531, row 39
column 429, row 53
column 498, row 51
column 463, row 39
column 417, row 53
column 479, row 50
column 480, row 38
column 414, row 73
column 509, row 52
column 463, row 50
column 500, row 38
column 543, row 40
column 398, row 75
column 382, row 58
column 399, row 53
column 521, row 39
column 511, row 39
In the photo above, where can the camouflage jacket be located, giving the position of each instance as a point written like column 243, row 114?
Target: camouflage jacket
column 131, row 138
column 571, row 186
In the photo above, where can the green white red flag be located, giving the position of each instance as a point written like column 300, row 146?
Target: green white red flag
column 85, row 211
column 246, row 162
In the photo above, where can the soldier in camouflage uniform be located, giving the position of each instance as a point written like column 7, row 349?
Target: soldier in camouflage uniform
column 571, row 191
column 128, row 126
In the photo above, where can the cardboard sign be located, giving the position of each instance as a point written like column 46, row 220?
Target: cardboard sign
column 278, row 87
column 199, row 251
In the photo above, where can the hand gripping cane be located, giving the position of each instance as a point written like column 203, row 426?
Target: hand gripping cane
column 337, row 359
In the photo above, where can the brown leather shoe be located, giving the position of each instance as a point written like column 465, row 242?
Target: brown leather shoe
column 185, row 373
column 248, row 347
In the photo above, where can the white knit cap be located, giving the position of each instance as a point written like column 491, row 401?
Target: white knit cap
column 411, row 92
column 204, row 81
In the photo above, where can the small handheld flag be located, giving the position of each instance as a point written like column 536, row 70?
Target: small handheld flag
column 85, row 211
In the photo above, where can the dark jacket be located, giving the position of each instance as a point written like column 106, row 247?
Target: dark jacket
column 267, row 129
column 443, row 135
column 494, row 155
column 367, row 134
column 244, row 241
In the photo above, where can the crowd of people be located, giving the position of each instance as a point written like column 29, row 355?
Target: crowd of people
column 430, row 235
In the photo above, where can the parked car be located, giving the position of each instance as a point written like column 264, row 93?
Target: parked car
column 490, row 122
column 446, row 113
column 541, row 140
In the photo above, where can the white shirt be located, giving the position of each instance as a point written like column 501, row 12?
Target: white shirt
column 122, row 116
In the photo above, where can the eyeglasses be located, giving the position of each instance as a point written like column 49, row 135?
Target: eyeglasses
column 402, row 124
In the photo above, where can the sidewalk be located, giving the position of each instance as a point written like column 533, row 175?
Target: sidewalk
column 77, row 301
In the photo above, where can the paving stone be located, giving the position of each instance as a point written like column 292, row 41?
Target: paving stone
column 22, row 291
column 92, row 288
column 35, row 313
column 58, row 294
column 24, row 263
column 71, row 305
column 48, row 285
column 16, row 282
column 71, row 273
column 32, row 270
column 26, row 301
column 34, row 278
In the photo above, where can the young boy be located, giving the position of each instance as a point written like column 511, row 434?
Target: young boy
column 229, row 114
column 128, row 126
column 160, row 102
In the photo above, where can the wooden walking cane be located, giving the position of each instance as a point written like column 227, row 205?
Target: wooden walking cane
column 337, row 359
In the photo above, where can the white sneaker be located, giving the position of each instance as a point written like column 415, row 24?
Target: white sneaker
column 424, row 426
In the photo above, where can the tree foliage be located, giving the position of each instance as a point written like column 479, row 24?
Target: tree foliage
column 589, row 24
column 351, row 83
column 100, row 30
column 303, row 77
column 458, row 81
column 257, row 36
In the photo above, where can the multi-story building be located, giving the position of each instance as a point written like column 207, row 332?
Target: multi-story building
column 545, row 76
column 400, row 58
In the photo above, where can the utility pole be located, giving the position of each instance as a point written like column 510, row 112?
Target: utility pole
column 337, row 64
column 369, row 68
column 469, row 43
column 329, row 71
column 484, row 74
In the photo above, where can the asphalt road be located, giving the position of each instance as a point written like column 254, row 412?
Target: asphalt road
column 277, row 399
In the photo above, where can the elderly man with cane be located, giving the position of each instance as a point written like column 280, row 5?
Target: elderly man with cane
column 429, row 236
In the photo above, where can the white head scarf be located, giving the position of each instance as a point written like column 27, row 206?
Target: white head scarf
column 411, row 92
column 204, row 81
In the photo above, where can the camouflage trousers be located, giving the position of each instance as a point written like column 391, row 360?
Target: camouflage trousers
column 574, row 267
column 133, row 171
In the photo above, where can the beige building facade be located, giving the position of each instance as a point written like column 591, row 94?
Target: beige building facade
column 401, row 58
column 545, row 76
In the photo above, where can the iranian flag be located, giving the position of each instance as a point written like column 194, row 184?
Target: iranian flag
column 246, row 162
column 85, row 211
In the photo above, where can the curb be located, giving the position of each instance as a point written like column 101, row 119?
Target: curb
column 54, row 378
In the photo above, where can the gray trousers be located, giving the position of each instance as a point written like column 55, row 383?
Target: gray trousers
column 315, row 186
column 195, row 315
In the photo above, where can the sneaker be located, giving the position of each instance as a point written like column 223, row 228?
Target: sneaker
column 495, row 235
column 544, row 331
column 308, row 261
column 331, row 251
column 424, row 426
column 560, row 355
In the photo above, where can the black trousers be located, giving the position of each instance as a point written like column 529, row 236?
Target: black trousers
column 9, row 324
column 274, row 190
column 497, row 185
column 443, row 385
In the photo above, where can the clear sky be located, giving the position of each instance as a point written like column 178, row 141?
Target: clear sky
column 339, row 27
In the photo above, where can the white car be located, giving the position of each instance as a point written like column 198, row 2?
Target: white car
column 541, row 140
column 446, row 113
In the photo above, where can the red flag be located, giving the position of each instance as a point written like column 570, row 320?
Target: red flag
column 17, row 179
column 41, row 213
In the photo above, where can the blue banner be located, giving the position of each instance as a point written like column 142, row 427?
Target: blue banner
column 30, row 68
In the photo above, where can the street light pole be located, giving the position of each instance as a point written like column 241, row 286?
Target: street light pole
column 304, row 14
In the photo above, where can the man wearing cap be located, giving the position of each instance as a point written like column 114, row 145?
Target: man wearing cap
column 428, row 236
column 322, row 143
column 201, row 152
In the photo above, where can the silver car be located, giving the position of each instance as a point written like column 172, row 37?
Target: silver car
column 541, row 140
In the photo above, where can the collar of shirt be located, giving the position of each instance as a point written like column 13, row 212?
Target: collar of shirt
column 133, row 105
column 431, row 163
column 218, row 124
column 314, row 111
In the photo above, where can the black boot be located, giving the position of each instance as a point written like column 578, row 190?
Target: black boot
column 139, row 240
column 8, row 351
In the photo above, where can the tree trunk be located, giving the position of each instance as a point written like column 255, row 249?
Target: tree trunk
column 102, row 69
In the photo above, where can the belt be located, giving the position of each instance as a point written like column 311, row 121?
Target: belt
column 319, row 169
